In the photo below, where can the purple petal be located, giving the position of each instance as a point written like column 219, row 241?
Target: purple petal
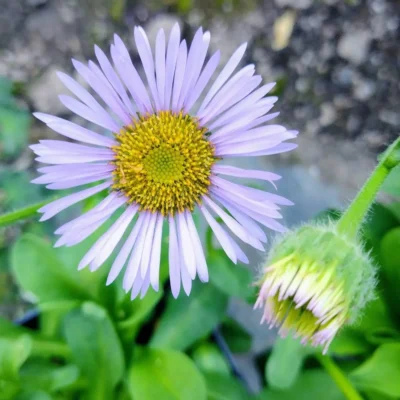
column 146, row 56
column 185, row 245
column 179, row 74
column 160, row 66
column 204, row 78
column 223, row 238
column 233, row 225
column 53, row 208
column 131, row 273
column 148, row 244
column 174, row 259
column 224, row 75
column 156, row 253
column 113, row 78
column 201, row 262
column 172, row 55
column 101, row 119
column 126, row 250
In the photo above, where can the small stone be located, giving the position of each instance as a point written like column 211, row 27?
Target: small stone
column 364, row 89
column 43, row 93
column 328, row 114
column 354, row 46
column 390, row 117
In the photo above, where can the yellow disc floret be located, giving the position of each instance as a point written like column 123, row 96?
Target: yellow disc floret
column 163, row 162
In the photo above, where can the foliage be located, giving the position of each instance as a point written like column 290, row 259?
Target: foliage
column 92, row 342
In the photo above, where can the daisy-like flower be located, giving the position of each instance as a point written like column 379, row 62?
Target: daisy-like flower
column 164, row 158
column 316, row 281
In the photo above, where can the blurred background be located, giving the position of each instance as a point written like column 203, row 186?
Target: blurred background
column 336, row 64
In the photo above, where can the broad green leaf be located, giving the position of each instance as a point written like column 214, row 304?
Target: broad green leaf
column 237, row 338
column 41, row 345
column 390, row 271
column 392, row 182
column 33, row 395
column 132, row 314
column 394, row 208
column 189, row 318
column 38, row 270
column 234, row 280
column 372, row 395
column 380, row 221
column 165, row 374
column 13, row 353
column 48, row 377
column 96, row 348
column 349, row 342
column 381, row 372
column 375, row 323
column 285, row 362
column 223, row 387
column 313, row 384
column 208, row 358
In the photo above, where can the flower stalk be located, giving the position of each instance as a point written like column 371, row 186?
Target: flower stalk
column 339, row 377
column 23, row 213
column 351, row 221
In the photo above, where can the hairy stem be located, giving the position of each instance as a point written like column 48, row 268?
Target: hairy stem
column 351, row 221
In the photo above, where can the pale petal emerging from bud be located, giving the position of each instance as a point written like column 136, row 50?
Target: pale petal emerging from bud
column 315, row 282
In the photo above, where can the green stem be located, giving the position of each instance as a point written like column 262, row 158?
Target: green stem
column 48, row 348
column 23, row 213
column 339, row 377
column 351, row 220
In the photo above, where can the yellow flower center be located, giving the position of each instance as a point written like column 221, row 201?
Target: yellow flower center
column 163, row 162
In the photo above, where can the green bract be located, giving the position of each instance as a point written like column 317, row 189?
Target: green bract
column 316, row 280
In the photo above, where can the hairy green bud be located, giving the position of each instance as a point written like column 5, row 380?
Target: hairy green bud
column 315, row 281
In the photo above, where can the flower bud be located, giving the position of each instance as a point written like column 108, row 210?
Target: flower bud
column 316, row 280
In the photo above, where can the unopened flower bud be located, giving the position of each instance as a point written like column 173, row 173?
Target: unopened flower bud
column 315, row 281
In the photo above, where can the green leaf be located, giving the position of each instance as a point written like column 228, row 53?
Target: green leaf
column 390, row 271
column 40, row 345
column 380, row 372
column 209, row 358
column 13, row 353
column 285, row 362
column 48, row 377
column 189, row 318
column 223, row 387
column 166, row 375
column 392, row 183
column 234, row 280
column 376, row 324
column 237, row 338
column 134, row 313
column 33, row 395
column 381, row 221
column 38, row 270
column 348, row 342
column 96, row 348
column 313, row 384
